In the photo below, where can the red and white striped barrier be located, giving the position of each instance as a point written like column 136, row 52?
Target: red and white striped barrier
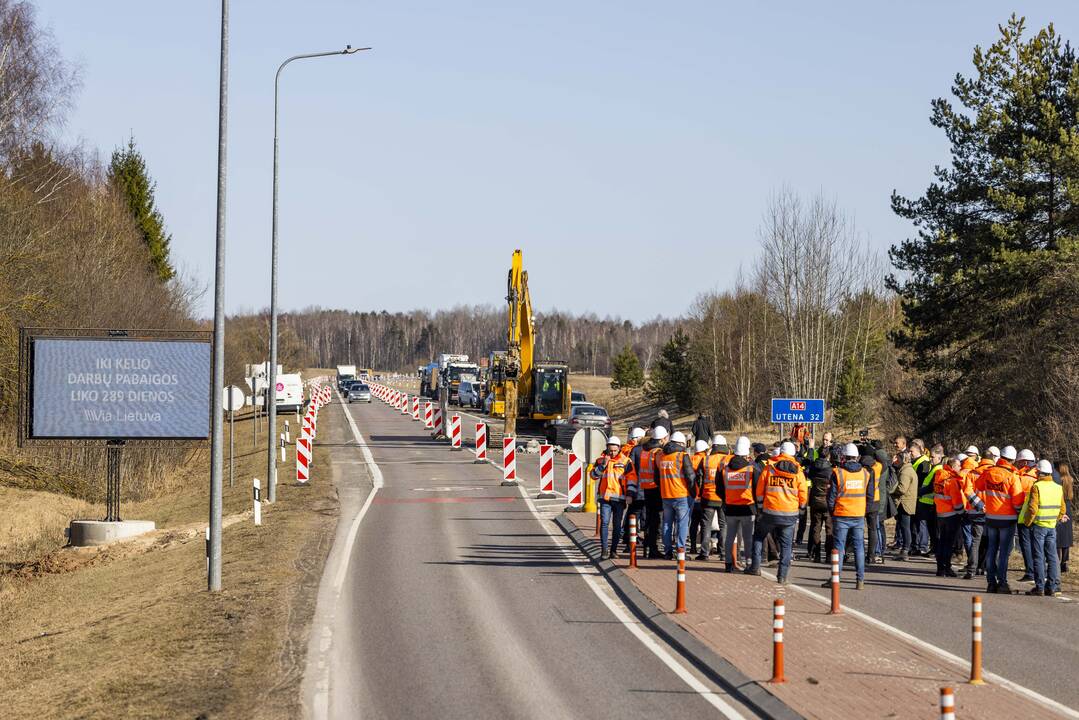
column 575, row 475
column 415, row 407
column 437, row 421
column 509, row 461
column 455, row 432
column 546, row 461
column 404, row 405
column 481, row 442
column 428, row 416
column 303, row 458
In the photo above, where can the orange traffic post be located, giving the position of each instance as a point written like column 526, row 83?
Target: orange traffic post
column 976, row 641
column 597, row 521
column 947, row 703
column 680, row 590
column 633, row 540
column 778, row 611
column 835, row 584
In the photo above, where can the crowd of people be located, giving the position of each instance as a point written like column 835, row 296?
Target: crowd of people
column 751, row 504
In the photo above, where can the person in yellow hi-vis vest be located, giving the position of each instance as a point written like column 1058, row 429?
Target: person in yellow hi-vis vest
column 1042, row 510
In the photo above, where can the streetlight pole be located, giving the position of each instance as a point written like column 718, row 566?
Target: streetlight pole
column 213, row 559
column 271, row 451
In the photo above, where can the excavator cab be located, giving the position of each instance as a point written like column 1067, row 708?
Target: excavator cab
column 550, row 390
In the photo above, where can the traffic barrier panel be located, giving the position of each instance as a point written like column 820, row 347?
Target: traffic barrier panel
column 835, row 584
column 257, row 500
column 455, row 432
column 303, row 460
column 778, row 612
column 976, row 641
column 546, row 460
column 438, row 422
column 428, row 417
column 947, row 703
column 633, row 540
column 404, row 404
column 680, row 589
column 574, row 487
column 509, row 461
column 415, row 407
column 481, row 443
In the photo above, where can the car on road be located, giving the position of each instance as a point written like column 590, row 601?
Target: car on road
column 582, row 415
column 358, row 392
column 577, row 396
column 470, row 393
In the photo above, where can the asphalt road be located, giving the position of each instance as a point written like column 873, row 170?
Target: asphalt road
column 458, row 603
column 1033, row 641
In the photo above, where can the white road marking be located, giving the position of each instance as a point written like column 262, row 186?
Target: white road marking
column 940, row 652
column 376, row 479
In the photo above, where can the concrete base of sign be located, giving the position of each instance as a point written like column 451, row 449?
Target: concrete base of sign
column 85, row 533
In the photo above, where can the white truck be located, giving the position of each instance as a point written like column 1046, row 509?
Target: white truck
column 345, row 373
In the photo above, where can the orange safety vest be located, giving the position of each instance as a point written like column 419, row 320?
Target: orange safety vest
column 999, row 486
column 671, row 483
column 610, row 481
column 878, row 471
column 697, row 460
column 630, row 478
column 850, row 495
column 947, row 492
column 968, row 465
column 738, row 485
column 783, row 493
column 1027, row 477
column 711, row 468
column 646, row 474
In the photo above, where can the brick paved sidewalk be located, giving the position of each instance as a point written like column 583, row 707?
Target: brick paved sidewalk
column 837, row 666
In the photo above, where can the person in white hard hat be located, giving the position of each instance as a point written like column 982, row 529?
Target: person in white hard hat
column 711, row 499
column 851, row 484
column 1002, row 492
column 781, row 494
column 643, row 461
column 634, row 497
column 1026, row 465
column 700, row 453
column 1043, row 509
column 609, row 472
column 677, row 485
column 737, row 486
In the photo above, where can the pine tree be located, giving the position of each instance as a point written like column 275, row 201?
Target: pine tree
column 127, row 173
column 626, row 372
column 851, row 404
column 982, row 285
column 672, row 377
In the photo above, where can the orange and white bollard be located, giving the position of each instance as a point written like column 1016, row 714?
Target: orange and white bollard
column 680, row 589
column 778, row 613
column 597, row 519
column 632, row 540
column 976, row 641
column 947, row 703
column 835, row 584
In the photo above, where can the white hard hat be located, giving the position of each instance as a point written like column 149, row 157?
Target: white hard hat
column 718, row 439
column 741, row 446
column 851, row 450
column 993, row 451
column 961, row 457
column 659, row 432
column 788, row 448
column 700, row 446
column 636, row 433
column 1025, row 454
column 678, row 437
column 972, row 451
column 613, row 440
column 773, row 451
column 1045, row 467
column 1008, row 453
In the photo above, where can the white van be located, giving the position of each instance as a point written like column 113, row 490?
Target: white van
column 289, row 392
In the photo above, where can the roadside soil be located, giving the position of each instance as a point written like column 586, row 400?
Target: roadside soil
column 129, row 630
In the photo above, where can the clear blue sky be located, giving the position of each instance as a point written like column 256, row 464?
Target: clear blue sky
column 628, row 147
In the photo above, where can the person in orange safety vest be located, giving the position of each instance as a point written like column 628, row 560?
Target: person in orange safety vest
column 781, row 494
column 948, row 499
column 851, row 483
column 1000, row 488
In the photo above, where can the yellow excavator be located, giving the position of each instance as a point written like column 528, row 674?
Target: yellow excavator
column 524, row 390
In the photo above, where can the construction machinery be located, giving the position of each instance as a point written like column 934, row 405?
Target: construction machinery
column 447, row 370
column 525, row 391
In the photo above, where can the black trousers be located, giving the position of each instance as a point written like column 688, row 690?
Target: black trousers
column 871, row 520
column 653, row 513
column 819, row 519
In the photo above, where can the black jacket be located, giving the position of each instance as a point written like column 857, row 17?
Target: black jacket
column 664, row 423
column 819, row 474
column 871, row 505
column 702, row 429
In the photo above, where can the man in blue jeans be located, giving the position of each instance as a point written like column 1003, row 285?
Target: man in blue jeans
column 850, row 485
column 1043, row 509
column 781, row 495
column 1000, row 489
column 677, row 487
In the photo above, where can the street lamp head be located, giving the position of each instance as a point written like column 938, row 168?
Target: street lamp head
column 350, row 50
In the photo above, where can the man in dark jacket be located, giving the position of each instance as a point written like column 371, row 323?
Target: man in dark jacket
column 648, row 492
column 663, row 420
column 819, row 474
column 677, row 494
column 702, row 427
column 872, row 502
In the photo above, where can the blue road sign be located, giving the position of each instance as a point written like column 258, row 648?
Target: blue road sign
column 792, row 410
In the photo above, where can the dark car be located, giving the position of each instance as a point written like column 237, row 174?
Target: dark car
column 576, row 396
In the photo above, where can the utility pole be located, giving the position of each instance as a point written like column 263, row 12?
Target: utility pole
column 213, row 568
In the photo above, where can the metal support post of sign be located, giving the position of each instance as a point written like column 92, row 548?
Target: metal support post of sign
column 114, row 450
